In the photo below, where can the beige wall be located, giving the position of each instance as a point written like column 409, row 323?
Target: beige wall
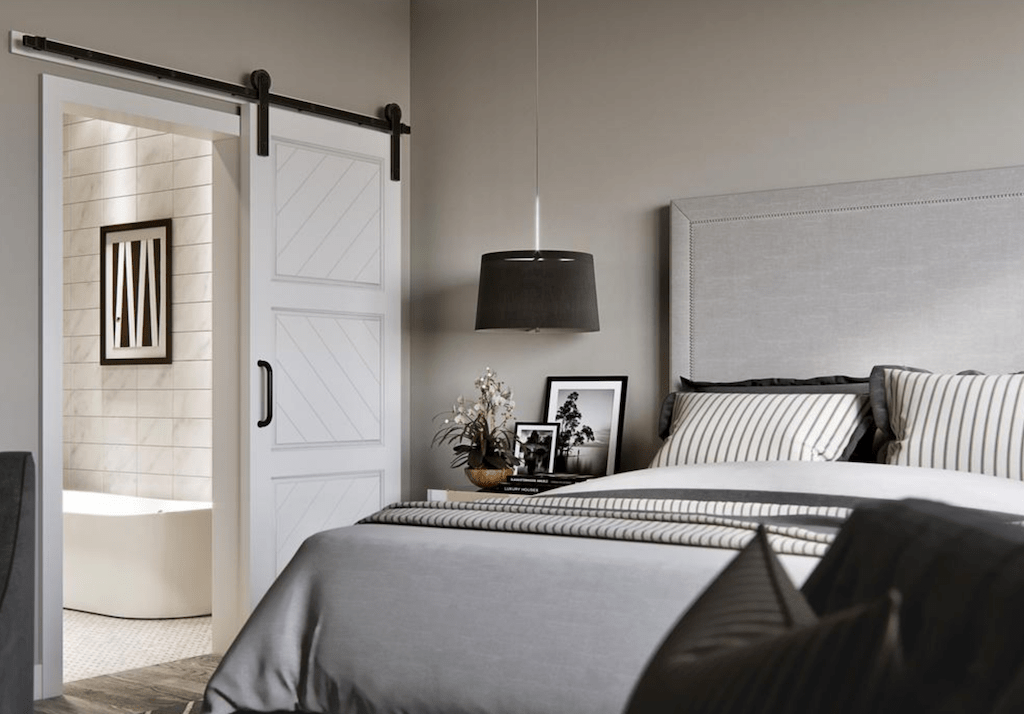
column 648, row 100
column 352, row 54
column 138, row 430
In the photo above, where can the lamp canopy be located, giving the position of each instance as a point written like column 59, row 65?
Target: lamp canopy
column 537, row 290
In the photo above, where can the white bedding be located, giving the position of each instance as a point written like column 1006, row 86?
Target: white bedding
column 375, row 618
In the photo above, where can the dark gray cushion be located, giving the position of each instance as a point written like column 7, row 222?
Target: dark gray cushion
column 750, row 644
column 961, row 575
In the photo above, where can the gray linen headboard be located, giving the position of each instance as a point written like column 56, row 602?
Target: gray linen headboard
column 925, row 271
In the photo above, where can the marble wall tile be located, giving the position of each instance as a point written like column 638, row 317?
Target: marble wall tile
column 120, row 155
column 156, row 403
column 78, row 296
column 85, row 241
column 155, row 486
column 121, row 182
column 193, row 287
column 155, row 177
column 192, row 316
column 155, row 149
column 82, row 268
column 193, row 201
column 152, row 206
column 189, row 230
column 120, row 430
column 192, row 376
column 156, row 460
column 155, row 432
column 85, row 133
column 193, row 433
column 185, row 147
column 125, row 484
column 191, row 488
column 193, row 346
column 119, row 210
column 85, row 161
column 191, row 461
column 120, row 377
column 193, row 403
column 193, row 172
column 156, row 376
column 120, row 403
column 190, row 259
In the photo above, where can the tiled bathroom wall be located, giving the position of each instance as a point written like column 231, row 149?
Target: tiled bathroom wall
column 141, row 430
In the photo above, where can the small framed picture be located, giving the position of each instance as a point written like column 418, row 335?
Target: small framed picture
column 590, row 412
column 535, row 447
column 135, row 293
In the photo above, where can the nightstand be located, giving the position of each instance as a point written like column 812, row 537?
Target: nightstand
column 449, row 494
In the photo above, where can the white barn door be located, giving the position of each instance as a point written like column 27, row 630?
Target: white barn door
column 325, row 336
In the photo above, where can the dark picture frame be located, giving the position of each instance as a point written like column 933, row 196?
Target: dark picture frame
column 535, row 447
column 135, row 293
column 590, row 412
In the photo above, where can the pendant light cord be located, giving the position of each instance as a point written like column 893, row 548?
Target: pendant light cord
column 536, row 127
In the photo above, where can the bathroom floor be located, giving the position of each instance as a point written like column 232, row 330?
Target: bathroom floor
column 96, row 645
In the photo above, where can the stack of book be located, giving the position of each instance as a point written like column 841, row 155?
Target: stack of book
column 528, row 485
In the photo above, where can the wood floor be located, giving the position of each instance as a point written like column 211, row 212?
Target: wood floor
column 138, row 690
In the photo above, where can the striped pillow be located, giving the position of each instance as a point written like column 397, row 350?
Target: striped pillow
column 964, row 422
column 716, row 427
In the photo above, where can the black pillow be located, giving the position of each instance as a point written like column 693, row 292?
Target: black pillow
column 961, row 575
column 750, row 644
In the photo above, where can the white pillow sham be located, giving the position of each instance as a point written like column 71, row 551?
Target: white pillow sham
column 964, row 422
column 717, row 427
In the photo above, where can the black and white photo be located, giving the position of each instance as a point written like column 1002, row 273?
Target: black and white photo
column 590, row 412
column 535, row 447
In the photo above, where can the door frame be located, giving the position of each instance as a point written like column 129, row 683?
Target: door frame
column 230, row 131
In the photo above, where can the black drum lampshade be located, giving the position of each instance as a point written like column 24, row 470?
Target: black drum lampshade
column 534, row 290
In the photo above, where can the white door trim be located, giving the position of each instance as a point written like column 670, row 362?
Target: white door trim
column 60, row 94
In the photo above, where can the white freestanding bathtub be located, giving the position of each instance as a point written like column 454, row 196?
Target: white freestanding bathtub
column 137, row 557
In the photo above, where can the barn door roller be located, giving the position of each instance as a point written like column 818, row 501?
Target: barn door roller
column 258, row 92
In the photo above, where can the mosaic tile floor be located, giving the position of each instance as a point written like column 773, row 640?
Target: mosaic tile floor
column 95, row 645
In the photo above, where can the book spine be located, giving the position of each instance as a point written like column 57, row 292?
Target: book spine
column 521, row 488
column 557, row 480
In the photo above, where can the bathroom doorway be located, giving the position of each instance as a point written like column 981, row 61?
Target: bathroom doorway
column 114, row 157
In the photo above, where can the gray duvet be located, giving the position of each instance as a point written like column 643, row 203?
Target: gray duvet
column 380, row 617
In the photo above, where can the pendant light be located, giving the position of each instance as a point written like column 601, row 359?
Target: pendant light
column 535, row 290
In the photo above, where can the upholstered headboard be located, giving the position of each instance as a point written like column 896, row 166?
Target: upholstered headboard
column 925, row 271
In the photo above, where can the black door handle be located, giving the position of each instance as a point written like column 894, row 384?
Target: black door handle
column 270, row 393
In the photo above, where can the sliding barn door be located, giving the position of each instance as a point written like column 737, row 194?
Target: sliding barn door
column 325, row 338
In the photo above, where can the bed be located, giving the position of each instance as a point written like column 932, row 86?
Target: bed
column 832, row 523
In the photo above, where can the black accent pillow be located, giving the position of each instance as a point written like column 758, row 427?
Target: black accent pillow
column 961, row 575
column 750, row 644
column 860, row 447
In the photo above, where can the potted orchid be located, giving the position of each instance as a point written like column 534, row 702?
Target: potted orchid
column 483, row 443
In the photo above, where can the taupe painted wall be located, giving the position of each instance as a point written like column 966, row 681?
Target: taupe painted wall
column 648, row 100
column 352, row 54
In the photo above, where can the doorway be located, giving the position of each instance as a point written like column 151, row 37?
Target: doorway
column 117, row 157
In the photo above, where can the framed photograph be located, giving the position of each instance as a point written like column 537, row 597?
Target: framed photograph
column 590, row 412
column 535, row 447
column 135, row 293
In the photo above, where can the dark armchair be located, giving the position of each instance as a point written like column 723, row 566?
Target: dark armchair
column 17, row 580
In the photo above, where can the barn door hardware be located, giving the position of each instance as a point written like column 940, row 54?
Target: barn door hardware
column 258, row 92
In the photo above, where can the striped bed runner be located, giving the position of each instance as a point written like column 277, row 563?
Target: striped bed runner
column 715, row 524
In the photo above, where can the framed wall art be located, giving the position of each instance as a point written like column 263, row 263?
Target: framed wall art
column 135, row 293
column 590, row 412
column 535, row 447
